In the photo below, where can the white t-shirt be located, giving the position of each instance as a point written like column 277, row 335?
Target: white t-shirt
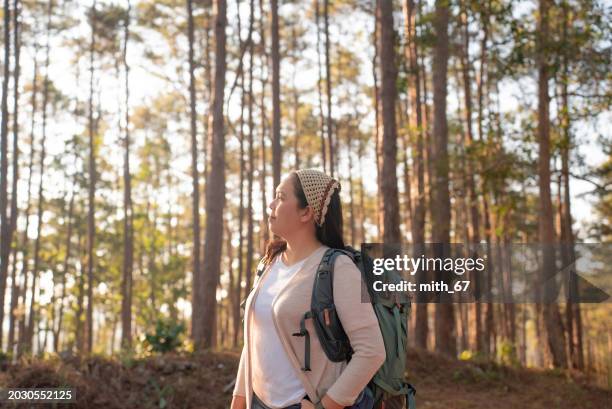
column 275, row 381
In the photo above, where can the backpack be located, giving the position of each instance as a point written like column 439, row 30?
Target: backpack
column 387, row 385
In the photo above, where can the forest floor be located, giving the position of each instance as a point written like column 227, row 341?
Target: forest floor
column 204, row 381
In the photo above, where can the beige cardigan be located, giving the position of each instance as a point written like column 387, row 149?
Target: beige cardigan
column 341, row 381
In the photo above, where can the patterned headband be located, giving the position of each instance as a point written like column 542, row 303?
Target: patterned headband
column 318, row 188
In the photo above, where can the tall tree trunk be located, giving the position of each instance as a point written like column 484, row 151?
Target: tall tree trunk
column 250, row 226
column 483, row 342
column 388, row 178
column 41, row 198
column 440, row 208
column 551, row 315
column 330, row 126
column 79, row 336
column 58, row 329
column 215, row 190
column 573, row 314
column 5, row 242
column 91, row 187
column 14, row 210
column 241, row 208
column 24, row 236
column 264, row 126
column 276, row 113
column 362, row 234
column 319, row 87
column 128, row 227
column 419, row 205
column 296, row 99
column 474, row 219
column 377, row 126
column 349, row 147
column 197, row 274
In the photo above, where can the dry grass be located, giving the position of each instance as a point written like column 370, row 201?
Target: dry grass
column 201, row 381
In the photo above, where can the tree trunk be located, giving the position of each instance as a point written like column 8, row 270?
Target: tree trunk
column 128, row 227
column 194, row 164
column 41, row 198
column 349, row 147
column 5, row 233
column 417, row 225
column 79, row 335
column 377, row 119
column 250, row 226
column 573, row 315
column 24, row 236
column 58, row 328
column 14, row 210
column 91, row 233
column 390, row 197
column 330, row 126
column 551, row 315
column 319, row 87
column 264, row 123
column 215, row 190
column 440, row 208
column 276, row 113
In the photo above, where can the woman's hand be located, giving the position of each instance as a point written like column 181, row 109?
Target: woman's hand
column 306, row 404
column 327, row 402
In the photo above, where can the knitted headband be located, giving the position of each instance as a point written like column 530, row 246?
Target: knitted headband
column 318, row 189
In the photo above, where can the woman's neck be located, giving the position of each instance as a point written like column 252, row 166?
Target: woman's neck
column 299, row 250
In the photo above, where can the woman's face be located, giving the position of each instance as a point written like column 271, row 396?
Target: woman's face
column 285, row 213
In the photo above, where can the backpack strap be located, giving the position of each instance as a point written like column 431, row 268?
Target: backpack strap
column 304, row 333
column 323, row 284
column 410, row 397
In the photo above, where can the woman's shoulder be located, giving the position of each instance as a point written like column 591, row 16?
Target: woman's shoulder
column 346, row 269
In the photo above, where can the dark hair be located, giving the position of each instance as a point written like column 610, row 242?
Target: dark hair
column 330, row 233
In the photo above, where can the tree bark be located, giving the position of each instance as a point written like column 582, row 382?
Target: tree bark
column 319, row 87
column 24, row 237
column 330, row 126
column 215, row 189
column 250, row 225
column 388, row 178
column 551, row 315
column 194, row 163
column 41, row 198
column 276, row 113
column 58, row 329
column 440, row 208
column 91, row 233
column 14, row 209
column 419, row 205
column 572, row 311
column 128, row 226
column 264, row 127
column 5, row 233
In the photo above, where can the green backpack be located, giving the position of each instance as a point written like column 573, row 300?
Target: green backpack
column 388, row 386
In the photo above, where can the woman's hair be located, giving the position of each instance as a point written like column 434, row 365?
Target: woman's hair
column 330, row 233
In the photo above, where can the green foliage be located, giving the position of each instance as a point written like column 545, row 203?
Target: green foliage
column 166, row 337
column 506, row 354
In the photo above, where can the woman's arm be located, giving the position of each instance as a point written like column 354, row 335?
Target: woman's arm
column 238, row 402
column 239, row 388
column 361, row 326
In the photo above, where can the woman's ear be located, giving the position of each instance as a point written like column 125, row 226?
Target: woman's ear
column 307, row 214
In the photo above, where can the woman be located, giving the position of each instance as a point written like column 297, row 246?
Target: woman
column 307, row 215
